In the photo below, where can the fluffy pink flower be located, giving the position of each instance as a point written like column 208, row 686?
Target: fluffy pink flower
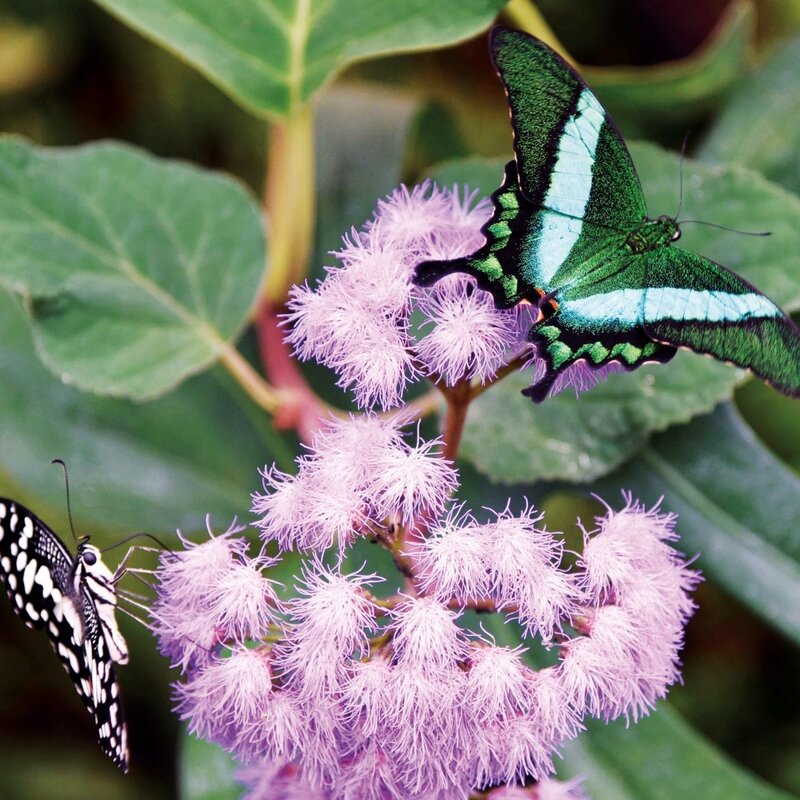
column 468, row 337
column 497, row 683
column 226, row 695
column 271, row 781
column 410, row 480
column 356, row 321
column 359, row 476
column 525, row 572
column 425, row 635
column 452, row 559
column 197, row 607
column 330, row 622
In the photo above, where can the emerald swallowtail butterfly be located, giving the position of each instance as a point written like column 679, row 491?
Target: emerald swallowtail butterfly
column 570, row 234
column 72, row 598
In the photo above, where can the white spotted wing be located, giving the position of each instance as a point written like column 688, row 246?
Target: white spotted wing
column 73, row 599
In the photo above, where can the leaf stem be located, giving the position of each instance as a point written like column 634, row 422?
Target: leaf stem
column 264, row 394
column 289, row 201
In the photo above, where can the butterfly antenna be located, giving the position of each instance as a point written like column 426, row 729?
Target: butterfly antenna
column 136, row 536
column 724, row 227
column 680, row 175
column 69, row 505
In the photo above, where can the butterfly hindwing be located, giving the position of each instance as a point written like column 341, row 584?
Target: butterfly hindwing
column 48, row 590
column 695, row 303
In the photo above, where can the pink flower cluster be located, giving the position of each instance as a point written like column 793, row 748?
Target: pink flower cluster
column 340, row 692
column 357, row 321
column 377, row 331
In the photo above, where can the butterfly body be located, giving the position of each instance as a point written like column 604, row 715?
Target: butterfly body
column 570, row 234
column 73, row 599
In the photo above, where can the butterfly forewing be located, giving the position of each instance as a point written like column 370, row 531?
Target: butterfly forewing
column 48, row 589
column 571, row 157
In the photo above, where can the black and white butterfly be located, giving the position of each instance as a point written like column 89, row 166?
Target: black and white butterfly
column 74, row 599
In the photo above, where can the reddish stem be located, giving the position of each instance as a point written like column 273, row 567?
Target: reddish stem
column 458, row 399
column 302, row 410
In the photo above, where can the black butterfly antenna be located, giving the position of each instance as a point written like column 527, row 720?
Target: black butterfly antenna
column 680, row 175
column 136, row 536
column 724, row 227
column 69, row 505
column 702, row 221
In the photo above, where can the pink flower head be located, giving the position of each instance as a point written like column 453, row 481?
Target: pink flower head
column 190, row 610
column 468, row 337
column 269, row 781
column 425, row 635
column 452, row 560
column 408, row 481
column 359, row 477
column 626, row 545
column 429, row 223
column 525, row 572
column 330, row 622
column 356, row 321
column 496, row 683
column 226, row 695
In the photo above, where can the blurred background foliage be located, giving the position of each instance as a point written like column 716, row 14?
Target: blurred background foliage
column 726, row 72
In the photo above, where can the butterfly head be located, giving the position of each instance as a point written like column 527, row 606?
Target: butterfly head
column 89, row 560
column 669, row 226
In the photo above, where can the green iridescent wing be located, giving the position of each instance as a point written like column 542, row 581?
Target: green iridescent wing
column 569, row 234
column 692, row 302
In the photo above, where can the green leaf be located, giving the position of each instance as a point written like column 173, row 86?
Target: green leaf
column 206, row 771
column 737, row 506
column 678, row 93
column 661, row 757
column 154, row 467
column 138, row 272
column 758, row 127
column 581, row 439
column 273, row 56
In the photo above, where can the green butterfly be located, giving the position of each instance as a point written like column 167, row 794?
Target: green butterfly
column 570, row 234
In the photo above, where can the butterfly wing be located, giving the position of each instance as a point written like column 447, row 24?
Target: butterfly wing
column 570, row 156
column 692, row 302
column 571, row 189
column 39, row 575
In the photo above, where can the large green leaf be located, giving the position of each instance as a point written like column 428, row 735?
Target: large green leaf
column 155, row 467
column 580, row 439
column 659, row 758
column 738, row 507
column 138, row 272
column 758, row 127
column 272, row 56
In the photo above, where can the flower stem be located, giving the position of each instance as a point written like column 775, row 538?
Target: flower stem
column 458, row 399
column 289, row 201
column 263, row 393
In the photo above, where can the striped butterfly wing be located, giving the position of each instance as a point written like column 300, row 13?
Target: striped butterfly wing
column 39, row 575
column 570, row 156
column 571, row 192
column 692, row 302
